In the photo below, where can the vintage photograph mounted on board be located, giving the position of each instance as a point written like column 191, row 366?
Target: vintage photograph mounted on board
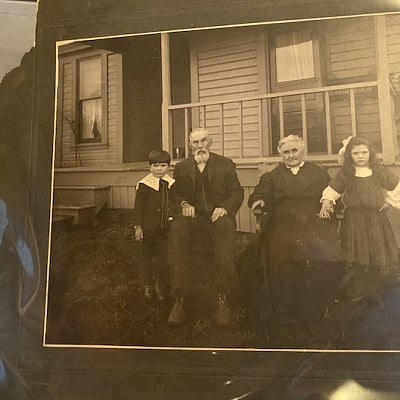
column 234, row 188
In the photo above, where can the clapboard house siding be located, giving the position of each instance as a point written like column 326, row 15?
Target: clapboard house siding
column 393, row 54
column 393, row 42
column 85, row 154
column 65, row 133
column 227, row 68
column 351, row 57
column 350, row 45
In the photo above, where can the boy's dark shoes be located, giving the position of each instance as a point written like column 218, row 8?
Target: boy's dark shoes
column 177, row 315
column 148, row 292
column 159, row 291
column 223, row 311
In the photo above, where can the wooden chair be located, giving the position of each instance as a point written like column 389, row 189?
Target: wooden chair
column 261, row 215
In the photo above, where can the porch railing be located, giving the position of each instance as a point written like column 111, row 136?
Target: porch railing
column 264, row 130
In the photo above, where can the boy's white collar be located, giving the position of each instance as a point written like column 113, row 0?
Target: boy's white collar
column 151, row 181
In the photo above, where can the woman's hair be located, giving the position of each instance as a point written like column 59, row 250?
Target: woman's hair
column 291, row 138
column 159, row 156
column 348, row 165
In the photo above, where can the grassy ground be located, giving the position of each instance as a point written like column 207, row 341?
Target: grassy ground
column 96, row 298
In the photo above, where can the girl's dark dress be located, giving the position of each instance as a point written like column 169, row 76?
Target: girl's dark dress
column 366, row 234
column 295, row 244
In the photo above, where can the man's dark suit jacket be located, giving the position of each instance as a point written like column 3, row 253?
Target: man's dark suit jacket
column 222, row 177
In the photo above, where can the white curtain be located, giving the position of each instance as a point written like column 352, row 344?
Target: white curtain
column 90, row 119
column 294, row 56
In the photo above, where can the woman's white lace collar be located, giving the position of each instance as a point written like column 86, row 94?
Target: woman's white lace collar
column 295, row 170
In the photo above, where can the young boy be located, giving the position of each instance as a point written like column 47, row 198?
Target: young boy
column 151, row 214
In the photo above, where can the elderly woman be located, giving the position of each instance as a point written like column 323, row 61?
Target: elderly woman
column 294, row 243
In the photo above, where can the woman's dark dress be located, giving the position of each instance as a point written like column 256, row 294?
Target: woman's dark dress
column 295, row 243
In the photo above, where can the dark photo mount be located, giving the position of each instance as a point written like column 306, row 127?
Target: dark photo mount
column 122, row 96
column 153, row 373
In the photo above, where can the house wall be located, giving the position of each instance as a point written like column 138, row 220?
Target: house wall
column 122, row 182
column 233, row 64
column 393, row 51
column 89, row 154
column 351, row 56
column 393, row 42
column 349, row 49
column 226, row 66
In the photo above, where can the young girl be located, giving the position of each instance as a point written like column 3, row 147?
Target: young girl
column 365, row 232
column 151, row 213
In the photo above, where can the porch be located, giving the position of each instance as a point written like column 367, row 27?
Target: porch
column 234, row 97
column 244, row 128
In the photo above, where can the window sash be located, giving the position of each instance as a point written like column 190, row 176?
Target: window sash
column 90, row 98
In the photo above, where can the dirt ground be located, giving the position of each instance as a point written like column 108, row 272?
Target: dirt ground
column 96, row 298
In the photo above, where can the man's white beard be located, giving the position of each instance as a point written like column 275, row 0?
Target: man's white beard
column 201, row 155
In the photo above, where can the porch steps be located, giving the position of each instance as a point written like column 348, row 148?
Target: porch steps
column 81, row 203
column 81, row 213
column 82, row 195
column 67, row 219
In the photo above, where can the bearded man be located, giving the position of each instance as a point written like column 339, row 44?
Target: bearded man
column 209, row 194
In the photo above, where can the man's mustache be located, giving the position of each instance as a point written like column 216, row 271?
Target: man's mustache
column 201, row 151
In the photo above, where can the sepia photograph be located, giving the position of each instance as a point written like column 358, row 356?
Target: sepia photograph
column 234, row 187
column 200, row 200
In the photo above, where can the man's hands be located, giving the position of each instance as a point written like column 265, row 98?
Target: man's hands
column 138, row 233
column 218, row 212
column 258, row 203
column 189, row 211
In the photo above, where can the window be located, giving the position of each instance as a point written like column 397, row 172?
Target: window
column 294, row 56
column 84, row 102
column 90, row 100
column 295, row 67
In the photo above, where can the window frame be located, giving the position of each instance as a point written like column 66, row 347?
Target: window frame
column 74, row 59
column 300, row 83
column 79, row 101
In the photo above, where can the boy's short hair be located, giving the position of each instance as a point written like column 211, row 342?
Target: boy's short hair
column 159, row 156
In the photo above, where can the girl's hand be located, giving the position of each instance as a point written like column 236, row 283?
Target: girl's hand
column 324, row 213
column 138, row 233
column 386, row 207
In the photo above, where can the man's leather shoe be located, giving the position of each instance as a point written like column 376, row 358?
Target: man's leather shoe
column 223, row 312
column 159, row 291
column 177, row 314
column 148, row 292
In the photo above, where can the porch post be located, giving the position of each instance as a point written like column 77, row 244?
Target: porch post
column 386, row 114
column 167, row 140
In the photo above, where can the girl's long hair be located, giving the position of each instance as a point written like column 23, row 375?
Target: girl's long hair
column 348, row 166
